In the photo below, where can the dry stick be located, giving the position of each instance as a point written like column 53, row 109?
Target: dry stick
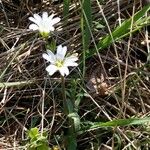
column 119, row 17
column 42, row 114
column 126, row 63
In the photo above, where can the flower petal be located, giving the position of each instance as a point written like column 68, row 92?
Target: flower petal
column 33, row 20
column 51, row 69
column 59, row 49
column 33, row 27
column 61, row 52
column 37, row 17
column 44, row 29
column 72, row 58
column 51, row 28
column 55, row 20
column 70, row 63
column 45, row 56
column 49, row 56
column 64, row 70
column 51, row 17
column 44, row 23
column 45, row 16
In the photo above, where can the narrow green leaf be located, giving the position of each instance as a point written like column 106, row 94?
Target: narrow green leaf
column 66, row 4
column 86, row 22
column 121, row 122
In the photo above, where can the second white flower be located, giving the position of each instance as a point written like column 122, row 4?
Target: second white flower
column 59, row 61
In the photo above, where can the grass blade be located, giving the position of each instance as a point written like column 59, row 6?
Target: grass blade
column 66, row 4
column 86, row 22
column 121, row 122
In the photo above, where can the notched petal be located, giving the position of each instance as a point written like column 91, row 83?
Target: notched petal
column 64, row 71
column 44, row 15
column 55, row 20
column 51, row 69
column 33, row 27
column 61, row 52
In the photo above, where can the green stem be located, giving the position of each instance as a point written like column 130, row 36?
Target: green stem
column 71, row 142
column 64, row 96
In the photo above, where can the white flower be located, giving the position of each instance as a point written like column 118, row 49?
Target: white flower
column 44, row 24
column 59, row 62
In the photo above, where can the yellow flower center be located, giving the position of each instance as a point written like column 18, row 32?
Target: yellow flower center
column 44, row 34
column 59, row 63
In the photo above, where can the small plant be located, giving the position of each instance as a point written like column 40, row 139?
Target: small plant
column 37, row 140
column 60, row 62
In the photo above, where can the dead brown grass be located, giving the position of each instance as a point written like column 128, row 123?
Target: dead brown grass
column 117, row 82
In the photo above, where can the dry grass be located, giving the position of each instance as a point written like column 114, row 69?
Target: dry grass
column 116, row 82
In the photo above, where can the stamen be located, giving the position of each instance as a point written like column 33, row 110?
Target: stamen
column 59, row 63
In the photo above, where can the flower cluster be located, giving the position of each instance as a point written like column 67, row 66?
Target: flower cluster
column 59, row 61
